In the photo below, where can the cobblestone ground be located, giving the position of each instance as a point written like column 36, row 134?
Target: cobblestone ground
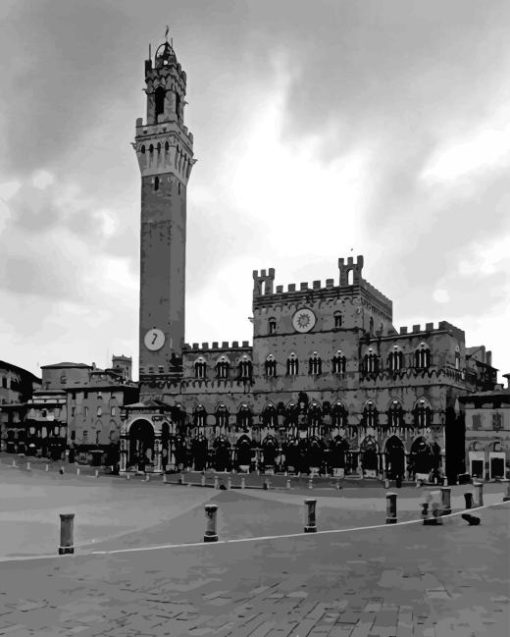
column 400, row 581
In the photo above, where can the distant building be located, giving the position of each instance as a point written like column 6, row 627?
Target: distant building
column 328, row 385
column 122, row 365
column 487, row 416
column 16, row 387
column 76, row 409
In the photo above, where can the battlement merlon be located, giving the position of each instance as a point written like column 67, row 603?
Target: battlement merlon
column 428, row 328
column 263, row 282
column 356, row 267
column 216, row 346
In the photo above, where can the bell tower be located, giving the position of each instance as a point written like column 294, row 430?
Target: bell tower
column 164, row 149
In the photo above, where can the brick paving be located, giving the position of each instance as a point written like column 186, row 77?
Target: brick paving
column 403, row 581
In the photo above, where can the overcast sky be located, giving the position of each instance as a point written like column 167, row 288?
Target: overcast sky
column 320, row 127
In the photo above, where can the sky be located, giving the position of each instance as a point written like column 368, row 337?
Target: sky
column 322, row 129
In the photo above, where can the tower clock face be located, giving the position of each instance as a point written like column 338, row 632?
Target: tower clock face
column 154, row 339
column 303, row 320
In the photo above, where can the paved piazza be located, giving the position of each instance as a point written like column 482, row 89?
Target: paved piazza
column 403, row 580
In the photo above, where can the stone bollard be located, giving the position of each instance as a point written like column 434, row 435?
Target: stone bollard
column 164, row 478
column 289, row 484
column 128, row 476
column 243, row 482
column 391, row 508
column 446, row 505
column 14, row 462
column 66, row 533
column 337, row 485
column 478, row 493
column 424, row 510
column 310, row 483
column 469, row 500
column 47, row 467
column 181, row 479
column 445, row 481
column 97, row 473
column 61, row 471
column 506, row 497
column 202, row 481
column 28, row 466
column 216, row 482
column 210, row 529
column 311, row 524
column 229, row 483
column 147, row 477
column 77, row 471
column 386, row 483
column 436, row 512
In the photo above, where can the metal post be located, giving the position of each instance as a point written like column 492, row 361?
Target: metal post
column 97, row 473
column 391, row 508
column 229, row 483
column 14, row 462
column 181, row 479
column 289, row 484
column 28, row 466
column 478, row 493
column 202, row 481
column 66, row 533
column 310, row 483
column 311, row 525
column 210, row 529
column 77, row 471
column 386, row 483
column 216, row 482
column 147, row 477
column 47, row 467
column 265, row 484
column 164, row 478
column 243, row 482
column 446, row 500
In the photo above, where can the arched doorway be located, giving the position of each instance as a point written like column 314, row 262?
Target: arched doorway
column 269, row 451
column 243, row 449
column 221, row 454
column 369, row 464
column 165, row 446
column 199, row 451
column 141, row 445
column 421, row 457
column 180, row 452
column 395, row 458
column 338, row 456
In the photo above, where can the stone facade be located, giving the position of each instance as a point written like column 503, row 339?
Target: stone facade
column 328, row 385
column 488, row 433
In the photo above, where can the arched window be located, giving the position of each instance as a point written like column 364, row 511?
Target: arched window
column 142, row 149
column 315, row 364
column 422, row 414
column 457, row 357
column 156, row 183
column 244, row 417
column 370, row 362
column 422, row 357
column 177, row 104
column 339, row 363
column 371, row 325
column 167, row 147
column 200, row 416
column 270, row 366
column 395, row 414
column 159, row 101
column 272, row 325
column 269, row 416
column 395, row 359
column 245, row 368
column 200, row 368
column 222, row 367
column 292, row 365
column 99, row 411
column 221, row 416
column 338, row 318
column 370, row 415
column 338, row 415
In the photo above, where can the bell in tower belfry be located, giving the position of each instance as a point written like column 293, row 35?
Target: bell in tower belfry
column 164, row 149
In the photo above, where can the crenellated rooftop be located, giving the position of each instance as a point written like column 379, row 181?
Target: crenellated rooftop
column 442, row 326
column 215, row 346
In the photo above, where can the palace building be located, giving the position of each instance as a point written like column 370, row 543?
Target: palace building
column 328, row 385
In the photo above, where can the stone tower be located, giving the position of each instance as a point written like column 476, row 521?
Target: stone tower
column 164, row 148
